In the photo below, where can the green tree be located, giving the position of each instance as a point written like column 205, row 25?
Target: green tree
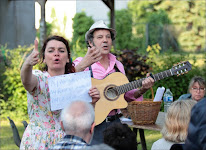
column 123, row 23
column 187, row 18
column 140, row 11
column 81, row 24
column 149, row 23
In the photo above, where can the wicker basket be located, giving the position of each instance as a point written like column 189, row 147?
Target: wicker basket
column 144, row 112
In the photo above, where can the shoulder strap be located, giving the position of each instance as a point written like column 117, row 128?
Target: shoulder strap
column 90, row 68
column 116, row 68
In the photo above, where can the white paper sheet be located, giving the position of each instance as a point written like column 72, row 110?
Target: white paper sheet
column 159, row 94
column 67, row 88
column 125, row 119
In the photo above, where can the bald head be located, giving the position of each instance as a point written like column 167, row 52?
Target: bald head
column 77, row 117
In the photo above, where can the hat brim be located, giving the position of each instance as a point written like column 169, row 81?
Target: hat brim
column 92, row 30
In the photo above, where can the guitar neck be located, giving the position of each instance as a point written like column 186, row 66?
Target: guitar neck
column 138, row 83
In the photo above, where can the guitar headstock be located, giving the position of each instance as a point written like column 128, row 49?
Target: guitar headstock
column 181, row 68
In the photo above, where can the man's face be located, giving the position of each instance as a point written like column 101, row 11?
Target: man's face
column 102, row 40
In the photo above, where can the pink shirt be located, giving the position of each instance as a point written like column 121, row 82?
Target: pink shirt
column 99, row 72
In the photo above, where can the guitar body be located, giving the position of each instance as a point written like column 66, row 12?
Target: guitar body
column 109, row 100
column 114, row 85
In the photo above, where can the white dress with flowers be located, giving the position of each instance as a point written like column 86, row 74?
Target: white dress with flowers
column 44, row 128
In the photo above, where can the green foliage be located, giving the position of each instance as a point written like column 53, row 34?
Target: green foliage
column 53, row 28
column 188, row 17
column 77, row 51
column 148, row 23
column 187, row 32
column 123, row 26
column 14, row 98
column 81, row 24
column 55, row 24
column 159, row 17
column 157, row 21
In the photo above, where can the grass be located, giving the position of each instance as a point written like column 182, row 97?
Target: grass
column 6, row 135
column 7, row 141
column 150, row 137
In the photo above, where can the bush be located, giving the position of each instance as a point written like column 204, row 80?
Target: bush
column 13, row 97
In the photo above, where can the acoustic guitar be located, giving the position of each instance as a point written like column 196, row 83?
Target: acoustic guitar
column 114, row 85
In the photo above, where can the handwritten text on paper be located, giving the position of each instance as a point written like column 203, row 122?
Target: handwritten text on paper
column 67, row 88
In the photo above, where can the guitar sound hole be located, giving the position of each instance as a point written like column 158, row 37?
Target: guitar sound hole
column 110, row 93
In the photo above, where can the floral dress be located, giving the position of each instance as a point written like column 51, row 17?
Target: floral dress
column 44, row 128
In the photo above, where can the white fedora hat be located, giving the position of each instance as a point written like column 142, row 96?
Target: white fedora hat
column 99, row 25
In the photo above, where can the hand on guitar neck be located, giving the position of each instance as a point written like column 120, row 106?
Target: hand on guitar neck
column 147, row 83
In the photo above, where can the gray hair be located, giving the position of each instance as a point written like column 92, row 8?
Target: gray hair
column 77, row 117
column 90, row 36
column 197, row 79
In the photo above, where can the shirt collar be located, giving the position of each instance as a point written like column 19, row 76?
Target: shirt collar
column 73, row 137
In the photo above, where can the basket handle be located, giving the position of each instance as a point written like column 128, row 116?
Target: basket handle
column 152, row 91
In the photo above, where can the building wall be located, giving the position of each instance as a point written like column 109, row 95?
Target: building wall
column 17, row 22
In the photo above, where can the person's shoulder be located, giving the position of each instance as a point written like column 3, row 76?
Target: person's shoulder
column 156, row 144
column 200, row 106
column 161, row 143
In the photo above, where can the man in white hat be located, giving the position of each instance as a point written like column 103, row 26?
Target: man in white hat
column 101, row 63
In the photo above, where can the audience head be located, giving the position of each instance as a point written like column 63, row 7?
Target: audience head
column 78, row 119
column 197, row 88
column 120, row 137
column 69, row 67
column 177, row 121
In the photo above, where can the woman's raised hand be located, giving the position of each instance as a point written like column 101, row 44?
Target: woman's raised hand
column 28, row 79
column 33, row 58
